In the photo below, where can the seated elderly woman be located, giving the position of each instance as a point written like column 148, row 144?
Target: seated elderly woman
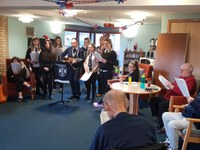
column 17, row 73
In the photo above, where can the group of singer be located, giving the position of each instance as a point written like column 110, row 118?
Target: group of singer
column 81, row 60
column 85, row 60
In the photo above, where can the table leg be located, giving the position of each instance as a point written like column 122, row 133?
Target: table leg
column 133, row 104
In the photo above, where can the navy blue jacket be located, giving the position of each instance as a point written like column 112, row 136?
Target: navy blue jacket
column 124, row 131
column 79, row 54
column 193, row 110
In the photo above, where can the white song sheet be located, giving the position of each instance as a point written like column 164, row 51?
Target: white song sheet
column 34, row 56
column 16, row 67
column 164, row 81
column 97, row 55
column 86, row 76
column 183, row 87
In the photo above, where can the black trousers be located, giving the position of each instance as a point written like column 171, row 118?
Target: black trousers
column 104, row 77
column 38, row 76
column 19, row 80
column 47, row 78
column 74, row 82
column 91, row 82
column 159, row 105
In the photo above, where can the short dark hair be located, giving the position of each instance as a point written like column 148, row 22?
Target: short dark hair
column 15, row 58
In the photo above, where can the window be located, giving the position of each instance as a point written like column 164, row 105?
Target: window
column 68, row 36
column 115, row 38
column 82, row 36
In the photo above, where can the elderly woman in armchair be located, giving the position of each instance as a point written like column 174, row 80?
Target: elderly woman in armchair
column 17, row 72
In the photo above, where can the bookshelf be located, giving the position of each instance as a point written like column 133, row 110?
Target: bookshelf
column 131, row 56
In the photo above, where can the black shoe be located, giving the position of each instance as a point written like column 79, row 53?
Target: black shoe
column 71, row 97
column 19, row 100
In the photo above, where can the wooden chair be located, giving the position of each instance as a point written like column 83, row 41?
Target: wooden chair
column 9, row 88
column 190, row 134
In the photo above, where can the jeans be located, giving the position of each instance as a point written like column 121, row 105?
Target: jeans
column 173, row 123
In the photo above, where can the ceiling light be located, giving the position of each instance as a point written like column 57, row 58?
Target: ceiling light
column 55, row 26
column 139, row 16
column 25, row 19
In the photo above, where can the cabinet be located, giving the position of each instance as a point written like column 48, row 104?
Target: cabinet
column 131, row 56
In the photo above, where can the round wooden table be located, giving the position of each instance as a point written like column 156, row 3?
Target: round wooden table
column 134, row 91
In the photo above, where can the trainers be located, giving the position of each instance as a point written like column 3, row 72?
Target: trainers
column 96, row 104
column 166, row 142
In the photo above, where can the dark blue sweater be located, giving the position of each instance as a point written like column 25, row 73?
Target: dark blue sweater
column 124, row 131
column 193, row 110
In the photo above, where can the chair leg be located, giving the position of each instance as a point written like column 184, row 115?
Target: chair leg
column 187, row 136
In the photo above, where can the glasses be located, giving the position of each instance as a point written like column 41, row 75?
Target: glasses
column 183, row 70
column 130, row 66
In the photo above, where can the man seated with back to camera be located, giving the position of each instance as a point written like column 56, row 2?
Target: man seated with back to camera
column 123, row 130
column 175, row 122
column 160, row 104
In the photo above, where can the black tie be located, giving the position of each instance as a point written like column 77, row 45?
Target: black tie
column 90, row 62
column 36, row 49
column 74, row 52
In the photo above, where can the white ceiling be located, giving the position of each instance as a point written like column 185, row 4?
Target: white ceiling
column 98, row 13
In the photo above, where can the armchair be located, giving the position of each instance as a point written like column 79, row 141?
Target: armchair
column 148, row 69
column 9, row 89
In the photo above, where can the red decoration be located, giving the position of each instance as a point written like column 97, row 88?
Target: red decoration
column 45, row 37
column 108, row 25
column 69, row 5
